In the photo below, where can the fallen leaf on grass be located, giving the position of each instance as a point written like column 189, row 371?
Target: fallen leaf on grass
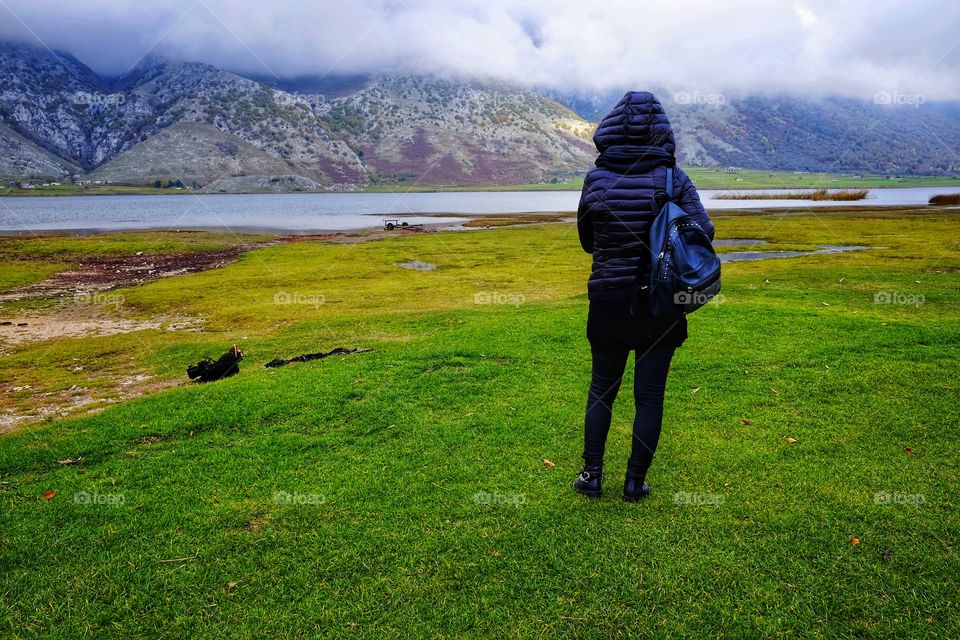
column 69, row 461
column 854, row 540
column 549, row 463
column 496, row 554
column 826, row 304
column 775, row 392
column 183, row 559
column 907, row 450
column 49, row 495
column 744, row 422
column 695, row 389
column 791, row 440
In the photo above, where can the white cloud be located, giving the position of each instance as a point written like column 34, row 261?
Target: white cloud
column 807, row 17
column 857, row 47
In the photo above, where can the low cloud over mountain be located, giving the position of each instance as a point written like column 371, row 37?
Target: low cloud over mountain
column 856, row 48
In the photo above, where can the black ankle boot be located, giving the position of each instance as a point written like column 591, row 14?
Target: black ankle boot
column 589, row 481
column 635, row 489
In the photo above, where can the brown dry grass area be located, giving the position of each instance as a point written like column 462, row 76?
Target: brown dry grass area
column 945, row 198
column 103, row 273
column 489, row 221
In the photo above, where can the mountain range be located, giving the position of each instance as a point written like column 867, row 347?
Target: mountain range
column 222, row 131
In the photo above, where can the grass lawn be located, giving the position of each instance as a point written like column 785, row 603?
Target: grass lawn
column 90, row 190
column 709, row 178
column 713, row 178
column 806, row 484
column 705, row 178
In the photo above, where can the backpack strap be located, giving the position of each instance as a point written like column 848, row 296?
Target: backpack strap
column 670, row 182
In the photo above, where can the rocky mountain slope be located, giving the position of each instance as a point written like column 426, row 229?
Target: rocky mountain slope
column 202, row 125
column 804, row 134
column 437, row 131
column 199, row 124
column 21, row 158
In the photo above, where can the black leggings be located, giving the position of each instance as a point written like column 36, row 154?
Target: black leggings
column 650, row 377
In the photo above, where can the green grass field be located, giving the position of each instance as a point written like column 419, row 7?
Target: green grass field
column 91, row 190
column 710, row 178
column 705, row 178
column 403, row 492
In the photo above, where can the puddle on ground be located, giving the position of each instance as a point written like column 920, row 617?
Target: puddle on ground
column 737, row 242
column 743, row 256
column 416, row 265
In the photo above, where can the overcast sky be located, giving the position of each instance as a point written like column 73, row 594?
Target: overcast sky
column 849, row 47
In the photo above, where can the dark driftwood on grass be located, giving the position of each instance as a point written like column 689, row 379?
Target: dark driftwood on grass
column 305, row 357
column 208, row 370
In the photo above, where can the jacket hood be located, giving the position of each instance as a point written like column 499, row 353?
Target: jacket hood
column 631, row 159
column 637, row 120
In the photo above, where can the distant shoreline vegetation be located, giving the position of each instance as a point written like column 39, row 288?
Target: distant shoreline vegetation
column 817, row 194
column 775, row 184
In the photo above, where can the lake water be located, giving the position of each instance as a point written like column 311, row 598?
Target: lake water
column 303, row 213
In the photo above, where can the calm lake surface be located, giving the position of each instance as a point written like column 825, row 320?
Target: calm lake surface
column 307, row 213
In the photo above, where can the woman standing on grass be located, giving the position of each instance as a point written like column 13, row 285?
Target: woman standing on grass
column 636, row 146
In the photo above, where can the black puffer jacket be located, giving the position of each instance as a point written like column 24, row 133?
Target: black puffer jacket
column 636, row 145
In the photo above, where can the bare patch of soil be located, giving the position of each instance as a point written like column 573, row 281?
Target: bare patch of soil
column 38, row 328
column 82, row 321
column 76, row 400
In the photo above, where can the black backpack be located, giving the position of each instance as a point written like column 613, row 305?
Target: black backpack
column 684, row 269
